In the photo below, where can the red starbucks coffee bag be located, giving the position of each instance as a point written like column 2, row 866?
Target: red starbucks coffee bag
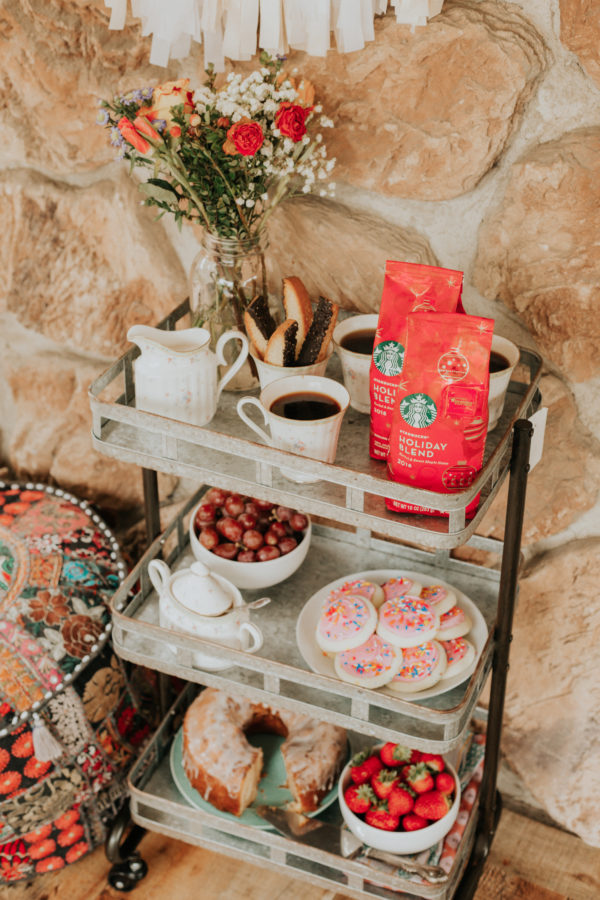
column 407, row 288
column 440, row 419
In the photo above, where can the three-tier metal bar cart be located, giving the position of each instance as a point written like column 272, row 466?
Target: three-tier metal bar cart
column 357, row 534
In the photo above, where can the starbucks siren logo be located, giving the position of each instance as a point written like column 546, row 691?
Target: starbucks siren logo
column 388, row 357
column 418, row 410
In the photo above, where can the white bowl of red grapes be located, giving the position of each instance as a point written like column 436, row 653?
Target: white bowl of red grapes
column 397, row 799
column 253, row 543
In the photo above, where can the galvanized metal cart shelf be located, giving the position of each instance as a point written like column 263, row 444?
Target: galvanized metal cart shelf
column 350, row 493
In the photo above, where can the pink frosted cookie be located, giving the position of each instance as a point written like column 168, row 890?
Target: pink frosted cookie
column 441, row 599
column 422, row 667
column 398, row 587
column 346, row 621
column 371, row 665
column 460, row 654
column 373, row 592
column 407, row 621
column 453, row 624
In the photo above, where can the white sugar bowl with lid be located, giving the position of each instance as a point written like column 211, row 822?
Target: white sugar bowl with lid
column 196, row 601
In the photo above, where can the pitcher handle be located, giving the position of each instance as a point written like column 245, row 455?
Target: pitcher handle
column 160, row 575
column 241, row 358
column 256, row 635
column 245, row 418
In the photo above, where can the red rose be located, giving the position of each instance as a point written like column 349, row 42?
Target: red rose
column 291, row 120
column 246, row 137
column 132, row 137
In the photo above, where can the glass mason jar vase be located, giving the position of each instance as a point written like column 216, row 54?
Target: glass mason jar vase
column 225, row 276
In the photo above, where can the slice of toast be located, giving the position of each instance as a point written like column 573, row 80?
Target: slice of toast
column 297, row 305
column 316, row 343
column 281, row 348
column 259, row 324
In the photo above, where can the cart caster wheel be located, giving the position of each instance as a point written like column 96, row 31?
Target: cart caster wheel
column 125, row 876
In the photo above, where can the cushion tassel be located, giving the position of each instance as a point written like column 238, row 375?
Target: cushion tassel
column 45, row 746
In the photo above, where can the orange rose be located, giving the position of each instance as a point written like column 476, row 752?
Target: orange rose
column 168, row 95
column 245, row 136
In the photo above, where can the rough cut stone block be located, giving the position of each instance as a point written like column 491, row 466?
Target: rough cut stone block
column 426, row 114
column 539, row 250
column 84, row 264
column 552, row 732
column 580, row 32
column 338, row 252
column 565, row 482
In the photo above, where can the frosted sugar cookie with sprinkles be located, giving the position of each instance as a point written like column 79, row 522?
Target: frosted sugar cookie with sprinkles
column 441, row 599
column 460, row 655
column 371, row 665
column 422, row 667
column 453, row 624
column 346, row 621
column 399, row 587
column 407, row 621
column 373, row 592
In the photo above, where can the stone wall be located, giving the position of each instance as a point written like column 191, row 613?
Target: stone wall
column 473, row 143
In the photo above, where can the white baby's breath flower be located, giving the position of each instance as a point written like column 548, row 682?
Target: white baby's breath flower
column 318, row 138
column 250, row 203
column 306, row 189
column 324, row 122
column 239, row 201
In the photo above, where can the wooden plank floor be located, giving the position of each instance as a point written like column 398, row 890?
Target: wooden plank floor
column 529, row 861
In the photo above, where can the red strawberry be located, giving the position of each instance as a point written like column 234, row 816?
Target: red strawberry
column 383, row 782
column 359, row 798
column 444, row 783
column 432, row 805
column 400, row 801
column 434, row 761
column 364, row 766
column 391, row 754
column 379, row 817
column 412, row 822
column 419, row 778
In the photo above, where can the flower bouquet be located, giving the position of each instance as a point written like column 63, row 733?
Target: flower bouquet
column 224, row 159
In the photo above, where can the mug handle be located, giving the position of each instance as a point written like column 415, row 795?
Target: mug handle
column 254, row 633
column 241, row 357
column 160, row 575
column 245, row 418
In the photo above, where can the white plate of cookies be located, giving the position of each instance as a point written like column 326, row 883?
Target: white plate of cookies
column 405, row 633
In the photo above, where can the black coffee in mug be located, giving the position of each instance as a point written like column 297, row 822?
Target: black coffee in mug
column 359, row 341
column 498, row 362
column 304, row 406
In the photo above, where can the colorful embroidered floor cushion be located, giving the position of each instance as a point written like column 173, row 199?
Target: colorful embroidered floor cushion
column 70, row 720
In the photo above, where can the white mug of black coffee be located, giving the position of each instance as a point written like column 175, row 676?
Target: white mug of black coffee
column 304, row 414
column 353, row 340
column 504, row 357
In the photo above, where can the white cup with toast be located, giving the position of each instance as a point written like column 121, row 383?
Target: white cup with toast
column 301, row 344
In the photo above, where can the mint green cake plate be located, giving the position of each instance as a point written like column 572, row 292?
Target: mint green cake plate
column 271, row 791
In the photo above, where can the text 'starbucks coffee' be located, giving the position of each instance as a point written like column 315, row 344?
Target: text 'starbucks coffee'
column 407, row 288
column 440, row 419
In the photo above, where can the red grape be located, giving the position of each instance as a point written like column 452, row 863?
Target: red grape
column 278, row 528
column 266, row 553
column 284, row 513
column 230, row 528
column 252, row 539
column 205, row 515
column 227, row 551
column 262, row 504
column 263, row 523
column 234, row 505
column 271, row 538
column 287, row 544
column 299, row 522
column 247, row 520
column 216, row 496
column 246, row 556
column 251, row 508
column 209, row 537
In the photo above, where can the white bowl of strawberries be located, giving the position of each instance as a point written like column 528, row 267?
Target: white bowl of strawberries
column 399, row 800
column 253, row 543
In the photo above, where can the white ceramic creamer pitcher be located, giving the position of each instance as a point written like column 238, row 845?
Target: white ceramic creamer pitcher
column 197, row 601
column 176, row 373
